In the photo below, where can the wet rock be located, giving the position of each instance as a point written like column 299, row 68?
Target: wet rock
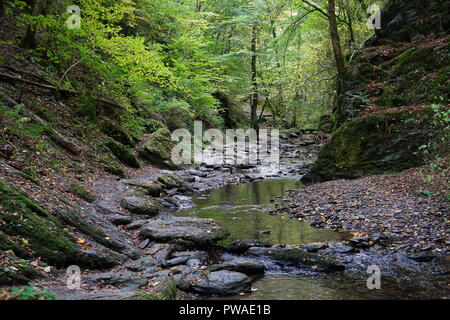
column 104, row 208
column 223, row 283
column 120, row 220
column 193, row 232
column 144, row 244
column 339, row 247
column 163, row 253
column 422, row 257
column 298, row 257
column 239, row 265
column 314, row 247
column 142, row 206
column 175, row 261
column 194, row 263
column 108, row 295
column 100, row 230
column 142, row 264
column 136, row 224
column 152, row 188
column 124, row 279
column 362, row 243
column 197, row 173
column 115, row 171
column 172, row 181
column 240, row 246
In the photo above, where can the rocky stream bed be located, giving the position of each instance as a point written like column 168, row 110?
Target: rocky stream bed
column 222, row 231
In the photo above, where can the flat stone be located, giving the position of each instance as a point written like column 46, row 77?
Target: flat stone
column 171, row 181
column 142, row 206
column 239, row 265
column 194, row 232
column 298, row 257
column 119, row 219
column 240, row 246
column 223, row 283
column 142, row 264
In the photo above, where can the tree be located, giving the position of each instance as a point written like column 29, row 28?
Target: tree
column 2, row 8
column 38, row 7
column 254, row 68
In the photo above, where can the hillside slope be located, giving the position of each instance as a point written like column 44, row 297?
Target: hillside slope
column 395, row 93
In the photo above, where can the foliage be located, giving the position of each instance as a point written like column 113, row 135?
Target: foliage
column 148, row 54
column 437, row 149
column 30, row 292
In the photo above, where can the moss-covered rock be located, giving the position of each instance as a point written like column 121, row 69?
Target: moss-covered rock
column 378, row 143
column 158, row 149
column 14, row 270
column 115, row 171
column 123, row 154
column 114, row 131
column 81, row 193
column 171, row 181
column 142, row 206
column 152, row 188
column 36, row 232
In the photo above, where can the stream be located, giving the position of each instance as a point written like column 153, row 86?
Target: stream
column 246, row 210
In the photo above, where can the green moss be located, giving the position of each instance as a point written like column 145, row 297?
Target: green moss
column 158, row 149
column 40, row 232
column 378, row 143
column 124, row 154
column 115, row 171
column 81, row 193
column 413, row 59
column 114, row 131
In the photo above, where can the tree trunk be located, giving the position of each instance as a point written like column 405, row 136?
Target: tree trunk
column 280, row 86
column 338, row 55
column 335, row 40
column 2, row 8
column 255, row 94
column 29, row 40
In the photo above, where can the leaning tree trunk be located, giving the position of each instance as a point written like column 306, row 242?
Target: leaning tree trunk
column 255, row 94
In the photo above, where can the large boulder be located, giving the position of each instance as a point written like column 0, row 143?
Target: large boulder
column 241, row 265
column 123, row 154
column 158, row 149
column 223, row 283
column 172, row 180
column 191, row 232
column 152, row 188
column 375, row 144
column 142, row 206
column 40, row 233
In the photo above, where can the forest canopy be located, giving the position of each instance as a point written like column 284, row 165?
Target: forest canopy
column 204, row 59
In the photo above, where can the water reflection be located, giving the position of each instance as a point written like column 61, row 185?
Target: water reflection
column 245, row 210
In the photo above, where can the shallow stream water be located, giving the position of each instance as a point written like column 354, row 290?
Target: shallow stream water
column 246, row 210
